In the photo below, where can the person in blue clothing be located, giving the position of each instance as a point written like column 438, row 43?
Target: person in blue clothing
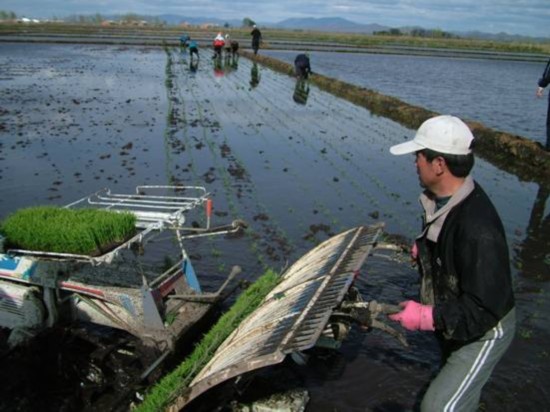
column 543, row 82
column 184, row 39
column 193, row 48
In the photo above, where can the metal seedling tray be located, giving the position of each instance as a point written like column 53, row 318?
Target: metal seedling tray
column 156, row 208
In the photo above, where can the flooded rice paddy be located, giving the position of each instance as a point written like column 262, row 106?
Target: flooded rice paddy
column 498, row 93
column 77, row 118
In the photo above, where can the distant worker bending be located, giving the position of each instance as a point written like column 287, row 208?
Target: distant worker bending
column 184, row 42
column 234, row 48
column 227, row 47
column 302, row 67
column 543, row 82
column 218, row 44
column 193, row 48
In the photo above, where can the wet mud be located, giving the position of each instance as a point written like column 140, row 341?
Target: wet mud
column 296, row 173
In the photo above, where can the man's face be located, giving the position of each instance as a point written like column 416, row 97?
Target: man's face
column 427, row 171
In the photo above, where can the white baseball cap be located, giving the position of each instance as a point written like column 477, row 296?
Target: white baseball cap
column 444, row 134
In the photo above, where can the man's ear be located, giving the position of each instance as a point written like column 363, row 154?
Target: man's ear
column 440, row 165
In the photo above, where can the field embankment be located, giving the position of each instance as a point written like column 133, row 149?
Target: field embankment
column 277, row 39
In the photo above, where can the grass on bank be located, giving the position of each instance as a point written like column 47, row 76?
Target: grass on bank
column 55, row 229
column 174, row 384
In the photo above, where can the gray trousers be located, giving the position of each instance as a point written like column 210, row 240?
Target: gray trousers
column 457, row 387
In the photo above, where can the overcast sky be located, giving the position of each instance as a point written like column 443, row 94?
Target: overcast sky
column 527, row 17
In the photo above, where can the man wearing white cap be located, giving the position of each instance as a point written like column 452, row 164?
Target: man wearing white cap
column 466, row 295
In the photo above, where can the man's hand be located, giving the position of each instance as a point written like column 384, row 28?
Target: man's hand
column 415, row 316
column 540, row 91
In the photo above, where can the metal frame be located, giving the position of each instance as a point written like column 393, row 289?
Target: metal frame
column 294, row 315
column 154, row 213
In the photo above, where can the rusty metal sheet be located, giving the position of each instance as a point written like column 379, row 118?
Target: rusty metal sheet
column 293, row 316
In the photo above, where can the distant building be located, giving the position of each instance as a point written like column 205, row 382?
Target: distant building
column 209, row 25
column 26, row 20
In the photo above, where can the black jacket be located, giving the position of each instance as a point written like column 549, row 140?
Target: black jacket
column 302, row 61
column 545, row 79
column 256, row 34
column 468, row 270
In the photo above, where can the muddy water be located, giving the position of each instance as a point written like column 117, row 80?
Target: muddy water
column 75, row 118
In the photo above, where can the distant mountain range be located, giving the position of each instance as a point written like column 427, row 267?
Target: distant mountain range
column 334, row 24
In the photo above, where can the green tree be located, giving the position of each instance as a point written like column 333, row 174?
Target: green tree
column 248, row 22
column 131, row 17
column 437, row 33
column 7, row 15
column 98, row 18
column 418, row 32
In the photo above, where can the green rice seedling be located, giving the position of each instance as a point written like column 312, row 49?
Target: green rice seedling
column 526, row 333
column 175, row 383
column 59, row 230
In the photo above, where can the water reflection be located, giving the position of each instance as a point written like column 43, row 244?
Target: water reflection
column 193, row 65
column 231, row 62
column 534, row 252
column 219, row 70
column 254, row 75
column 301, row 91
column 227, row 64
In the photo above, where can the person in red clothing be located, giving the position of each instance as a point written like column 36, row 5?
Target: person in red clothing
column 218, row 44
column 466, row 295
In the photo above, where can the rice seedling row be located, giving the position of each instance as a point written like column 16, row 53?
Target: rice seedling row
column 232, row 196
column 312, row 145
column 357, row 180
column 304, row 188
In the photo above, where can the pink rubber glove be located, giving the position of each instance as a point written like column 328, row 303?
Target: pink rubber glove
column 414, row 251
column 415, row 316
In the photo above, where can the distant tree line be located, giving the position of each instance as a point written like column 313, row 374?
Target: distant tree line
column 128, row 18
column 7, row 15
column 124, row 18
column 418, row 32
